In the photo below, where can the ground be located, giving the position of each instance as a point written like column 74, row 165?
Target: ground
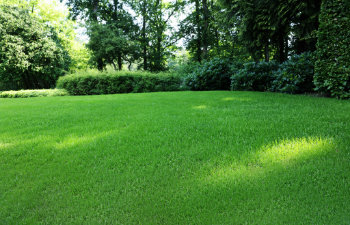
column 175, row 158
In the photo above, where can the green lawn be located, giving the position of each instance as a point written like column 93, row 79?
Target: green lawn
column 175, row 158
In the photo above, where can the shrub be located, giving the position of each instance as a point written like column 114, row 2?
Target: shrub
column 118, row 82
column 212, row 75
column 295, row 75
column 254, row 76
column 33, row 93
column 332, row 69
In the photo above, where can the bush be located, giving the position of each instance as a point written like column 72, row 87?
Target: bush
column 118, row 82
column 33, row 93
column 212, row 75
column 332, row 69
column 254, row 76
column 295, row 76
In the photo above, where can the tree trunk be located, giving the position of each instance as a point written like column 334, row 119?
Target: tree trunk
column 281, row 48
column 158, row 60
column 100, row 64
column 114, row 66
column 120, row 62
column 205, row 28
column 199, row 36
column 144, row 40
column 95, row 10
column 267, row 52
column 286, row 48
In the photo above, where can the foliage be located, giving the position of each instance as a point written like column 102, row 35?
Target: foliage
column 118, row 82
column 295, row 75
column 110, row 45
column 333, row 47
column 33, row 93
column 31, row 55
column 211, row 75
column 185, row 68
column 255, row 76
column 80, row 56
column 124, row 40
column 54, row 14
column 273, row 28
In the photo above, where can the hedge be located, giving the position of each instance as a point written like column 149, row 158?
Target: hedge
column 332, row 69
column 118, row 82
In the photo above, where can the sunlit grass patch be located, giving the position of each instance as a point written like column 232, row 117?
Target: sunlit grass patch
column 33, row 93
column 200, row 107
column 242, row 99
column 288, row 151
column 72, row 141
column 5, row 145
column 280, row 153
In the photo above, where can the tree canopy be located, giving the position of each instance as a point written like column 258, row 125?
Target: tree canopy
column 31, row 54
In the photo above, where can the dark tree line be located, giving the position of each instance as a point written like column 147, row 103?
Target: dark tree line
column 127, row 31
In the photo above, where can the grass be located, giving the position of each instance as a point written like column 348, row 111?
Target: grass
column 175, row 158
column 33, row 93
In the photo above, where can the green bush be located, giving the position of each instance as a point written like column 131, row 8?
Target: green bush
column 33, row 93
column 332, row 69
column 212, row 75
column 118, row 82
column 254, row 76
column 295, row 75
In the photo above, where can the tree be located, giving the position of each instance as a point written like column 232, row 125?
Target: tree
column 110, row 46
column 196, row 29
column 54, row 14
column 31, row 55
column 160, row 43
column 274, row 28
column 112, row 30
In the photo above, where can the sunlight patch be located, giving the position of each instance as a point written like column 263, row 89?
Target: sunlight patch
column 200, row 107
column 235, row 99
column 289, row 150
column 281, row 153
column 3, row 146
column 74, row 140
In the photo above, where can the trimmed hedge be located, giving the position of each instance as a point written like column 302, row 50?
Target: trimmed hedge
column 33, row 93
column 118, row 82
column 332, row 69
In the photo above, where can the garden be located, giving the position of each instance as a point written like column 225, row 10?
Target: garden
column 174, row 112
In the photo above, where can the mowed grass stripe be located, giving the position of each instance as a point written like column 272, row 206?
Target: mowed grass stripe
column 175, row 158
